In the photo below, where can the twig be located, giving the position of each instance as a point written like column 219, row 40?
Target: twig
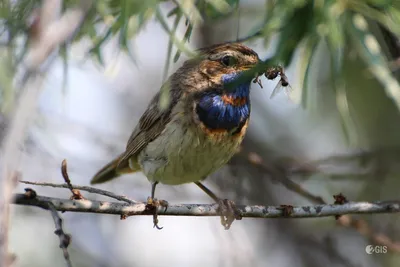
column 347, row 221
column 65, row 239
column 76, row 194
column 258, row 211
column 85, row 188
column 256, row 160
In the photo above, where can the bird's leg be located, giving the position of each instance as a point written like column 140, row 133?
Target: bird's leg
column 154, row 204
column 227, row 208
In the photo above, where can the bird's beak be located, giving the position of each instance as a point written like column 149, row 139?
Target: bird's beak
column 251, row 70
column 248, row 67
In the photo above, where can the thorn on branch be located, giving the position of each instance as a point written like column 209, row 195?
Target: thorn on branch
column 76, row 194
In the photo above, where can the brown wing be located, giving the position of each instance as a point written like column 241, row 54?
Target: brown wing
column 152, row 122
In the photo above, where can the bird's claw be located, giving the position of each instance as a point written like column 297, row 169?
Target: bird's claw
column 229, row 212
column 153, row 204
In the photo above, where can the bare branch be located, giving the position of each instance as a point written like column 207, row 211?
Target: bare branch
column 76, row 194
column 257, row 161
column 359, row 225
column 258, row 211
column 65, row 239
column 85, row 188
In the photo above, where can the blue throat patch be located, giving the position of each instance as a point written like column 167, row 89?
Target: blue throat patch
column 214, row 111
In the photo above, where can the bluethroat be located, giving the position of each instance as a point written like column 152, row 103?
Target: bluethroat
column 193, row 125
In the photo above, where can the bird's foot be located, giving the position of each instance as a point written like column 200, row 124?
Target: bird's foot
column 153, row 204
column 229, row 212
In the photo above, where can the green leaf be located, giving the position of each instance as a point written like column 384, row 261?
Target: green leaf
column 96, row 49
column 304, row 66
column 394, row 13
column 123, row 31
column 189, row 9
column 380, row 3
column 179, row 44
column 376, row 15
column 64, row 56
column 293, row 31
column 370, row 50
column 186, row 38
column 219, row 9
column 339, row 86
column 170, row 45
column 7, row 91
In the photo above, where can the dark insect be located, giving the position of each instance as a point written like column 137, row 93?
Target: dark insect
column 274, row 72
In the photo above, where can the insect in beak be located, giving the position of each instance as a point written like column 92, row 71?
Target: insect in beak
column 271, row 73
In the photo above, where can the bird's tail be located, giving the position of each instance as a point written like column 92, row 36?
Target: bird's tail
column 111, row 171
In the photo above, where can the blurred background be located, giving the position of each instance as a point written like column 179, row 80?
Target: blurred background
column 336, row 131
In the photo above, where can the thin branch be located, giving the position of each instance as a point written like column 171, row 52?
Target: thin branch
column 76, row 194
column 258, row 211
column 257, row 161
column 85, row 188
column 359, row 225
column 65, row 239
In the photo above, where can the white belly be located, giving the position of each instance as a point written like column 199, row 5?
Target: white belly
column 185, row 154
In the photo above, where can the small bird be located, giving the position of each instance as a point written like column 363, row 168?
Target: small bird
column 193, row 125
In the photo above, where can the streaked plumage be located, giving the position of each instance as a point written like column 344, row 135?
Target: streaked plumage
column 194, row 124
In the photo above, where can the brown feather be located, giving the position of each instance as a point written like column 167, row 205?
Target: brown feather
column 111, row 171
column 152, row 122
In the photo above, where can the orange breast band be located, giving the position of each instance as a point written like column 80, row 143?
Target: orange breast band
column 234, row 101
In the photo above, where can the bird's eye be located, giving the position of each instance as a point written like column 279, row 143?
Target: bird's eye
column 228, row 61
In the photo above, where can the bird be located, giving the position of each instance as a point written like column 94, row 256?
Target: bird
column 193, row 125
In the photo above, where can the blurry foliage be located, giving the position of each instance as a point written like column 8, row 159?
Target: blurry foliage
column 344, row 25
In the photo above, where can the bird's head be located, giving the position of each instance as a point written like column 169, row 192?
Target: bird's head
column 220, row 90
column 215, row 66
column 223, row 63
